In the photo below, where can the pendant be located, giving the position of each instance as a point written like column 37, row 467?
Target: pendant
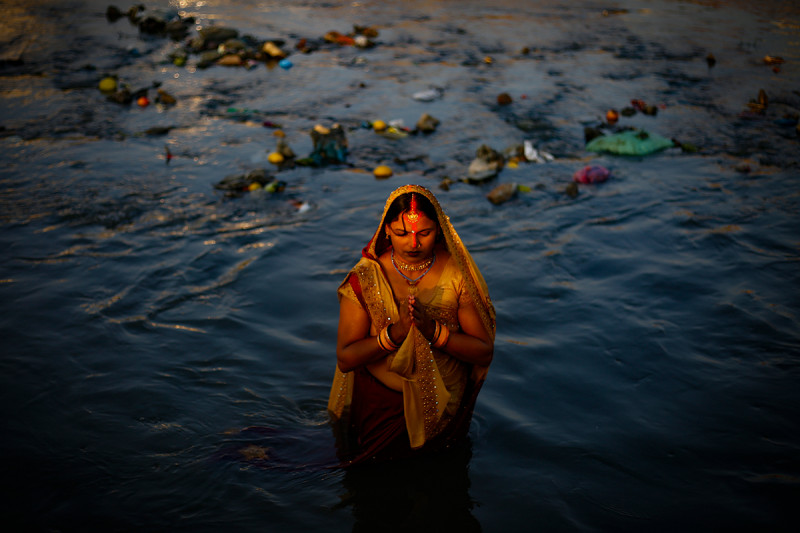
column 412, row 289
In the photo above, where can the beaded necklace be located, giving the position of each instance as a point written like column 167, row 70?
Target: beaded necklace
column 413, row 268
column 413, row 282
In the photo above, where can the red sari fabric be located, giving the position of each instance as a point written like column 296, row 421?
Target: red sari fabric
column 377, row 428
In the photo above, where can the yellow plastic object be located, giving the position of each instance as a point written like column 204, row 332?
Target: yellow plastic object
column 276, row 158
column 382, row 171
column 108, row 84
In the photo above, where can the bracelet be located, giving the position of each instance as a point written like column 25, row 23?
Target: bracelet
column 385, row 341
column 440, row 336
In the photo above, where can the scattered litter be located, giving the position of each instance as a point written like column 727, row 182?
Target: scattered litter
column 382, row 172
column 238, row 184
column 394, row 130
column 571, row 190
column 591, row 174
column 163, row 97
column 645, row 108
column 503, row 193
column 759, row 105
column 427, row 123
column 487, row 163
column 330, row 146
column 429, row 95
column 504, row 99
column 301, row 206
column 108, row 84
column 629, row 142
column 535, row 156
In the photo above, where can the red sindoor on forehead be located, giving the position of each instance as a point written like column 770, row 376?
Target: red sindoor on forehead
column 413, row 217
column 413, row 213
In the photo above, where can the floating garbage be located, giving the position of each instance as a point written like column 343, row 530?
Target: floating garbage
column 759, row 105
column 773, row 60
column 487, row 163
column 504, row 99
column 285, row 64
column 108, row 84
column 283, row 155
column 427, row 123
column 330, row 146
column 164, row 98
column 612, row 116
column 535, row 156
column 503, row 193
column 571, row 190
column 272, row 50
column 230, row 60
column 645, row 108
column 338, row 38
column 429, row 95
column 214, row 45
column 359, row 37
column 393, row 130
column 591, row 174
column 630, row 142
column 382, row 172
column 300, row 205
column 238, row 184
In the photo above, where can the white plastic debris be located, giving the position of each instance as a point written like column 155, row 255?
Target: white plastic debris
column 429, row 95
column 534, row 155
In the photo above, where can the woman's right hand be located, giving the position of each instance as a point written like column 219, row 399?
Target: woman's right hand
column 399, row 330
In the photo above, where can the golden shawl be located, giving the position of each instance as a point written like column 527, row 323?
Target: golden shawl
column 425, row 395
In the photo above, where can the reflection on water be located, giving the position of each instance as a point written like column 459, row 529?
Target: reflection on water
column 168, row 351
column 429, row 494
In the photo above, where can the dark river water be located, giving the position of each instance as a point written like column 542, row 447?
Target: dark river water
column 167, row 348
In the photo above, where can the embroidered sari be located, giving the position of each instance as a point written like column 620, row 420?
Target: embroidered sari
column 439, row 391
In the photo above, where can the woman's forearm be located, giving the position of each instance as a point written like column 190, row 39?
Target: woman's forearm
column 469, row 349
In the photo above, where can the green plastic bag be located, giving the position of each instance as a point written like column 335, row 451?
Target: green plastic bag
column 631, row 142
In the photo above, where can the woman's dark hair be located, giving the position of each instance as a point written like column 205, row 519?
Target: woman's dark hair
column 403, row 203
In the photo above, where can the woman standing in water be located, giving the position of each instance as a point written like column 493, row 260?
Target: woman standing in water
column 416, row 336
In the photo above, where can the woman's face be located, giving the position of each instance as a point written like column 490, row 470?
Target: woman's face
column 413, row 238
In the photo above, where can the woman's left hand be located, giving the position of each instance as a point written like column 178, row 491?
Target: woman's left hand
column 424, row 323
